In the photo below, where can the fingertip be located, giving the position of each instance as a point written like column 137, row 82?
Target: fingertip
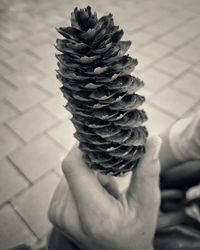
column 73, row 160
column 153, row 146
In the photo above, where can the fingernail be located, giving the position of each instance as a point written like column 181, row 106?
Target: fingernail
column 157, row 145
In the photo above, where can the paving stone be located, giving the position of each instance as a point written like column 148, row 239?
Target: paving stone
column 34, row 203
column 50, row 83
column 49, row 62
column 26, row 97
column 63, row 134
column 55, row 105
column 155, row 50
column 37, row 157
column 195, row 43
column 23, row 77
column 12, row 35
column 12, row 231
column 5, row 88
column 157, row 120
column 5, row 69
column 190, row 29
column 45, row 51
column 11, row 182
column 142, row 37
column 6, row 111
column 196, row 68
column 31, row 123
column 4, row 53
column 172, row 65
column 154, row 79
column 188, row 54
column 131, row 26
column 163, row 26
column 188, row 83
column 143, row 62
column 21, row 61
column 173, row 101
column 145, row 92
column 8, row 141
column 16, row 47
column 42, row 36
column 174, row 39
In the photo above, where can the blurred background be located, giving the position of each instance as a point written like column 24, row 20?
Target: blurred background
column 35, row 129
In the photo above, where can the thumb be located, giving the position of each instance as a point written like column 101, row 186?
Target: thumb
column 109, row 184
column 144, row 184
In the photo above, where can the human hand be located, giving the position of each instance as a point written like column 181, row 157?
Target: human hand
column 184, row 138
column 91, row 211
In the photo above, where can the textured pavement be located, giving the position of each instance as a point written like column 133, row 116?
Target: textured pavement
column 35, row 130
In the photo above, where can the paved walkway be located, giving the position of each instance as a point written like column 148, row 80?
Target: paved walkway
column 35, row 131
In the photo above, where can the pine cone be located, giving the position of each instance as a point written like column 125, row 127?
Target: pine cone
column 95, row 73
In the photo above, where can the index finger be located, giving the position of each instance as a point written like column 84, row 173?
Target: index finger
column 144, row 185
column 86, row 189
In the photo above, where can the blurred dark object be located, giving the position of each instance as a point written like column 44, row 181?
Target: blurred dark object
column 179, row 220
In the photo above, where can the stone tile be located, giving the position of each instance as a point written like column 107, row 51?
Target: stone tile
column 188, row 54
column 49, row 63
column 50, row 83
column 63, row 134
column 8, row 141
column 14, row 34
column 24, row 76
column 11, row 182
column 188, row 83
column 163, row 26
column 143, row 37
column 31, row 123
column 131, row 26
column 5, row 88
column 34, row 203
column 4, row 53
column 173, row 101
column 145, row 92
column 12, row 231
column 22, row 60
column 55, row 105
column 15, row 48
column 189, row 30
column 143, row 62
column 55, row 19
column 37, row 157
column 174, row 38
column 6, row 111
column 155, row 50
column 154, row 79
column 172, row 65
column 26, row 98
column 195, row 43
column 157, row 121
column 196, row 68
column 45, row 51
column 40, row 37
column 5, row 69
